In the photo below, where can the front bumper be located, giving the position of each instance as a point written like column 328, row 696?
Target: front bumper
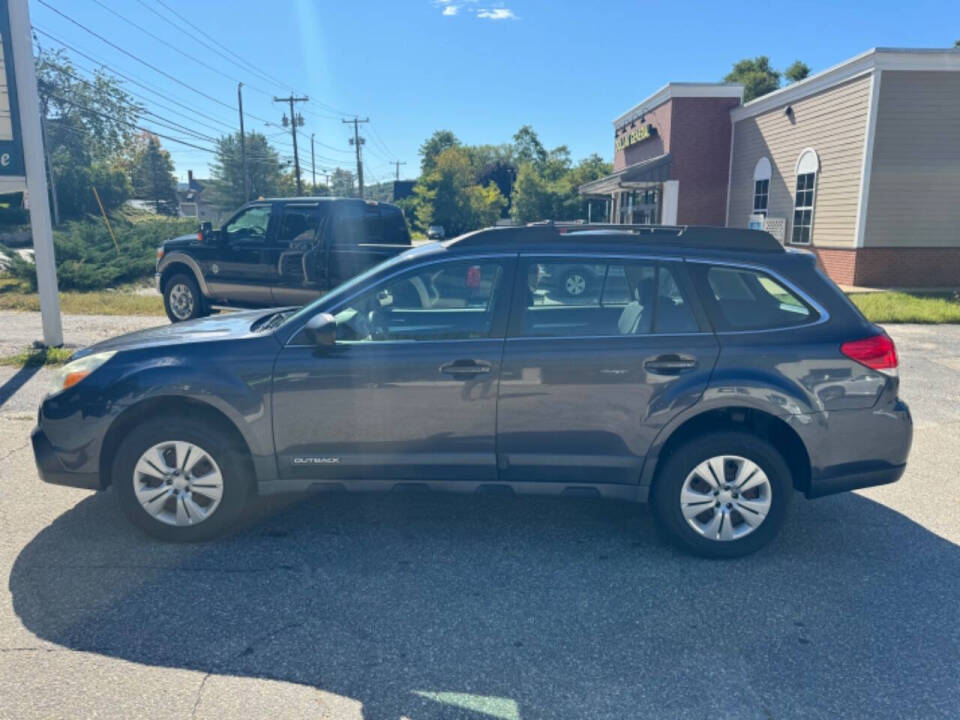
column 52, row 466
column 157, row 277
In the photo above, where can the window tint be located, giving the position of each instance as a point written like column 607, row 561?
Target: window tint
column 298, row 227
column 566, row 299
column 444, row 301
column 251, row 224
column 751, row 300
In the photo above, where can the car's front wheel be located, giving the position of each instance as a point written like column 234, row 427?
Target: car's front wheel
column 723, row 494
column 181, row 480
column 182, row 299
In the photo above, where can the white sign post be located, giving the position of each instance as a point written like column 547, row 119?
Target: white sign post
column 21, row 94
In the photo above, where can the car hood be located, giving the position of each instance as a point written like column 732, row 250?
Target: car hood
column 181, row 241
column 226, row 326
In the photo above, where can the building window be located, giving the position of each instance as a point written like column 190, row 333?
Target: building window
column 761, row 186
column 808, row 165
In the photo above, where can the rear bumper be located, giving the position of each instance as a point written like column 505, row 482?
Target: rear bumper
column 853, row 449
column 854, row 480
column 52, row 468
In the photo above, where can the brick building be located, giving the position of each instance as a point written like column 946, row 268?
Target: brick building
column 859, row 163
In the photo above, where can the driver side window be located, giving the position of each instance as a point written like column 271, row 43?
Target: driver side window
column 251, row 224
column 441, row 301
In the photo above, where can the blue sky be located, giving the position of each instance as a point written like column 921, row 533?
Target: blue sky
column 480, row 68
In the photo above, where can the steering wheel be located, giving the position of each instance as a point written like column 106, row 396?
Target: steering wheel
column 378, row 324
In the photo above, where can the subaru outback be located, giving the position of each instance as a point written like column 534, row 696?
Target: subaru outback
column 710, row 372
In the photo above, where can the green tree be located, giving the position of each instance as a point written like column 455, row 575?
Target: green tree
column 449, row 195
column 756, row 76
column 342, row 183
column 527, row 147
column 88, row 123
column 152, row 177
column 796, row 72
column 533, row 198
column 432, row 147
column 264, row 170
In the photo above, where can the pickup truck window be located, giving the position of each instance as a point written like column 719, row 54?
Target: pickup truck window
column 251, row 224
column 298, row 227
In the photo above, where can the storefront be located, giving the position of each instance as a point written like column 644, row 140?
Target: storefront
column 671, row 158
column 859, row 163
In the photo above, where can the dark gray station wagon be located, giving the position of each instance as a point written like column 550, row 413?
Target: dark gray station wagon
column 706, row 370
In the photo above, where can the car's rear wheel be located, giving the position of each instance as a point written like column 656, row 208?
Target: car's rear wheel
column 723, row 494
column 577, row 282
column 182, row 298
column 180, row 480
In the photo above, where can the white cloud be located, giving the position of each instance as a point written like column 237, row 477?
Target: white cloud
column 450, row 9
column 496, row 14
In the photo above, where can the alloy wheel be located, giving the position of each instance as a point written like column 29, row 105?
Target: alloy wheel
column 726, row 497
column 575, row 284
column 178, row 483
column 181, row 301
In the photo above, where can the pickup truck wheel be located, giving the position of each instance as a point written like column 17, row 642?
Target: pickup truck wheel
column 723, row 495
column 180, row 480
column 182, row 298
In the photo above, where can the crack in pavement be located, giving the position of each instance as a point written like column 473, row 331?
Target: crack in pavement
column 248, row 650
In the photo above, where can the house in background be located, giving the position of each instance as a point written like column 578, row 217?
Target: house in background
column 193, row 203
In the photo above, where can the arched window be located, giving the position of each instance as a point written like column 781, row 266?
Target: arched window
column 761, row 186
column 808, row 166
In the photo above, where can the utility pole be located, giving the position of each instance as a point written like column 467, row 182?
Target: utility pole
column 313, row 164
column 295, row 120
column 398, row 164
column 243, row 145
column 357, row 141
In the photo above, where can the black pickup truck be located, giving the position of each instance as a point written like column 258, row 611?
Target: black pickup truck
column 277, row 252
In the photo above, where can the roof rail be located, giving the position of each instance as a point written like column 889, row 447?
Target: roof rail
column 692, row 236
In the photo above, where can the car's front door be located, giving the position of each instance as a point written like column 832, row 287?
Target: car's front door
column 241, row 270
column 588, row 380
column 409, row 390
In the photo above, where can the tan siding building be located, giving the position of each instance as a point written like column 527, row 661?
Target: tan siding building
column 878, row 139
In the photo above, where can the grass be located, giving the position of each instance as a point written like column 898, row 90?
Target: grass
column 909, row 307
column 102, row 302
column 35, row 357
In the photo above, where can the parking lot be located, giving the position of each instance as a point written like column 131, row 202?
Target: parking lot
column 420, row 606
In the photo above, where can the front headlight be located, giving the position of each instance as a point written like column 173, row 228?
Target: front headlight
column 75, row 371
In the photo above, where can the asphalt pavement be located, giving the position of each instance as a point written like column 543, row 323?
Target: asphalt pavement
column 422, row 606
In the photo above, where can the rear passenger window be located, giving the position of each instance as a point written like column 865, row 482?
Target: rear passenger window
column 598, row 299
column 752, row 300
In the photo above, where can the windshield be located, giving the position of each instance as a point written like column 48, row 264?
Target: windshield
column 345, row 289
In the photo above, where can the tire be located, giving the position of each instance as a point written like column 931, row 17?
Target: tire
column 743, row 527
column 576, row 282
column 174, row 517
column 182, row 299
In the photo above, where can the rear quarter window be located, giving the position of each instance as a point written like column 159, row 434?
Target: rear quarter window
column 745, row 299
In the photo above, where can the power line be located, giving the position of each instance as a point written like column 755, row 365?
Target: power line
column 144, row 62
column 128, row 78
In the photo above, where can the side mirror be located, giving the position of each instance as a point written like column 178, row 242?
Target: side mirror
column 205, row 232
column 321, row 330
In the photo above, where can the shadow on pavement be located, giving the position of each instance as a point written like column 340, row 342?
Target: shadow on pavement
column 19, row 379
column 522, row 608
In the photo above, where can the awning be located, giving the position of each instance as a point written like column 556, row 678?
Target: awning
column 654, row 170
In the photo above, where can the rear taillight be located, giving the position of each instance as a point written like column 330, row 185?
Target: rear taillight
column 876, row 352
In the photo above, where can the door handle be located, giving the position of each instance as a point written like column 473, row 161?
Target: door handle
column 671, row 364
column 466, row 367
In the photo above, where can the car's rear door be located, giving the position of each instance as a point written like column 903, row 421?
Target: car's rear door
column 589, row 380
